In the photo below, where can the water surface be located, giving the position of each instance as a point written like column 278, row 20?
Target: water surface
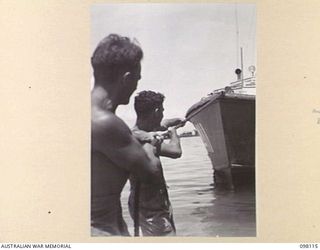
column 198, row 208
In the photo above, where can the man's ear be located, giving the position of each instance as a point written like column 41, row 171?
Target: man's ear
column 126, row 77
column 156, row 112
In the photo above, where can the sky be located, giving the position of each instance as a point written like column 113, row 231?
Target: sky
column 189, row 49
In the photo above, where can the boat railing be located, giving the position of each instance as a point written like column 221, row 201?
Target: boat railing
column 249, row 82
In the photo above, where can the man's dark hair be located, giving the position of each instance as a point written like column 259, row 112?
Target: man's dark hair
column 147, row 101
column 114, row 56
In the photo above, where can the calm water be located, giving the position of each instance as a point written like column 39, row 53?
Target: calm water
column 198, row 208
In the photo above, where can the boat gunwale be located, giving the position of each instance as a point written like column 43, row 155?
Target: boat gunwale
column 216, row 97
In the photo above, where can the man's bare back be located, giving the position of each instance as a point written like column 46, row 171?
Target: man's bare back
column 107, row 179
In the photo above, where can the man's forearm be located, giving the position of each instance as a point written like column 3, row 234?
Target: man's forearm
column 174, row 137
column 172, row 149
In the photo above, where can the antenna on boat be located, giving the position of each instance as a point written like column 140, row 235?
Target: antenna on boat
column 237, row 31
column 239, row 72
column 241, row 57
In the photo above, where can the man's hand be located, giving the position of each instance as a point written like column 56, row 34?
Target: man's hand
column 166, row 123
column 157, row 140
column 148, row 137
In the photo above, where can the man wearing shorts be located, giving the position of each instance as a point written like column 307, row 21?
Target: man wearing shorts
column 154, row 208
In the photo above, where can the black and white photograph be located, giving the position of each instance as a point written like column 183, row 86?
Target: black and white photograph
column 173, row 120
column 177, row 122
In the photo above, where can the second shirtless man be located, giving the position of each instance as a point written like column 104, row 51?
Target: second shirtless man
column 149, row 203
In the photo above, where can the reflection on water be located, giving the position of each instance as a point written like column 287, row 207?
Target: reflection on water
column 198, row 208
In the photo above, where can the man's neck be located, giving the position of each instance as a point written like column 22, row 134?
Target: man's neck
column 144, row 124
column 103, row 99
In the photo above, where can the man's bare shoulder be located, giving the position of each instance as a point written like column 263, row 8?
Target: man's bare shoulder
column 107, row 126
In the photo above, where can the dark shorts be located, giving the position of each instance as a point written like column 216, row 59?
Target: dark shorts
column 155, row 211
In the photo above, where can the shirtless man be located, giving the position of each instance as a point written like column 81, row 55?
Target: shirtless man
column 114, row 151
column 153, row 209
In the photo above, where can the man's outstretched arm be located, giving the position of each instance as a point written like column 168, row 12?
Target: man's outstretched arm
column 173, row 148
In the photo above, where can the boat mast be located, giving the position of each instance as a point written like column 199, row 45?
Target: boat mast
column 237, row 32
column 238, row 45
column 241, row 57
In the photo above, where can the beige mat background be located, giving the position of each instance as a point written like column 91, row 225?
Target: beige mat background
column 45, row 125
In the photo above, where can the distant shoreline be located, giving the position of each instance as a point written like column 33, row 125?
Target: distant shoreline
column 192, row 133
